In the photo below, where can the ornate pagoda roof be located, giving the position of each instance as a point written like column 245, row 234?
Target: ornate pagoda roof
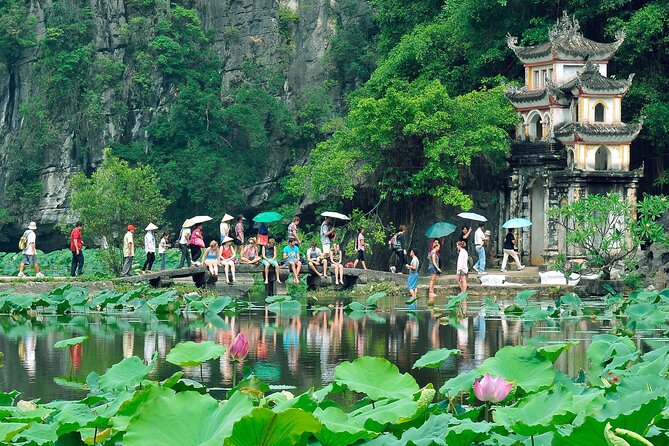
column 598, row 132
column 524, row 94
column 566, row 42
column 590, row 80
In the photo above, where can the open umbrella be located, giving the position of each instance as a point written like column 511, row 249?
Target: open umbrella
column 200, row 219
column 472, row 216
column 517, row 223
column 187, row 223
column 440, row 229
column 267, row 217
column 335, row 215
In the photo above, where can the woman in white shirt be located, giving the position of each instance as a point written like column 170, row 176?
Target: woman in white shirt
column 162, row 249
column 462, row 268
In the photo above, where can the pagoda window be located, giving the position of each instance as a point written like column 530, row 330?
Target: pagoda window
column 570, row 159
column 550, row 74
column 599, row 112
column 602, row 158
column 543, row 78
column 535, row 80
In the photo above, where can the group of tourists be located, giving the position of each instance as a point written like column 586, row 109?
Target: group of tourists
column 233, row 248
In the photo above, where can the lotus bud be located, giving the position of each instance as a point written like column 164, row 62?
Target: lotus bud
column 239, row 348
column 492, row 389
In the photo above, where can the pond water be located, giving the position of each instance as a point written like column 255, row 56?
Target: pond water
column 298, row 351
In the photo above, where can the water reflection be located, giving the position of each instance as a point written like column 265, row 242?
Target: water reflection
column 300, row 351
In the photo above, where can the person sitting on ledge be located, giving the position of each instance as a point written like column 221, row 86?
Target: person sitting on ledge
column 210, row 258
column 315, row 257
column 250, row 253
column 269, row 259
column 291, row 254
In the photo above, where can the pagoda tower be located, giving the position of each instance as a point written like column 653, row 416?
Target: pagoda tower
column 570, row 140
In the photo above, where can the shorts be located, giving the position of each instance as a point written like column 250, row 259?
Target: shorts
column 361, row 255
column 431, row 269
column 268, row 263
column 326, row 248
column 462, row 273
column 29, row 259
column 237, row 241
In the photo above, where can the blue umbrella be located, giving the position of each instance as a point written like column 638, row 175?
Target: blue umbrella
column 517, row 223
column 441, row 229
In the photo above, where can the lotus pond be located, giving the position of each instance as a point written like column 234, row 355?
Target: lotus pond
column 122, row 368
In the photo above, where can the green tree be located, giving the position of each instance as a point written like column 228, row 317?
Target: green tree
column 411, row 142
column 114, row 196
column 604, row 227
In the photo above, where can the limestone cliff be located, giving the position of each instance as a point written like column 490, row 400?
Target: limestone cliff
column 239, row 30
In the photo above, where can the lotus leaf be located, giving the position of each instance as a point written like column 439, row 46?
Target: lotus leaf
column 454, row 302
column 355, row 306
column 430, row 433
column 535, row 313
column 222, row 303
column 538, row 412
column 69, row 383
column 371, row 300
column 207, row 422
column 126, row 374
column 69, row 342
column 465, row 432
column 521, row 365
column 264, row 427
column 375, row 417
column 38, row 434
column 337, row 429
column 460, row 383
column 191, row 354
column 7, row 398
column 9, row 430
column 129, row 408
column 608, row 352
column 435, row 358
column 375, row 377
column 286, row 308
column 522, row 298
column 74, row 416
column 553, row 351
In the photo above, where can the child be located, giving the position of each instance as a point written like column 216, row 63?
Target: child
column 162, row 249
column 412, row 280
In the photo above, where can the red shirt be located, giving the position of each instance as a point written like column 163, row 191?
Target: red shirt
column 76, row 235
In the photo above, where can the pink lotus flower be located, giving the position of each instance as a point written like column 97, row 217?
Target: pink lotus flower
column 239, row 348
column 492, row 389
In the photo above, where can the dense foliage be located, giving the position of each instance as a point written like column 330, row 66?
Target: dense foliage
column 618, row 397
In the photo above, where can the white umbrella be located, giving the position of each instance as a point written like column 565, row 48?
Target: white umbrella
column 335, row 215
column 187, row 223
column 200, row 219
column 472, row 216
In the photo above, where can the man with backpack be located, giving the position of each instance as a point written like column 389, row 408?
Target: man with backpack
column 397, row 245
column 29, row 251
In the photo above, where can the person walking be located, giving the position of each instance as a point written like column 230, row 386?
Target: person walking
column 184, row 238
column 327, row 234
column 464, row 235
column 269, row 259
column 360, row 248
column 293, row 230
column 462, row 267
column 291, row 255
column 77, row 248
column 509, row 249
column 149, row 247
column 196, row 244
column 400, row 248
column 433, row 268
column 128, row 251
column 335, row 261
column 263, row 234
column 239, row 234
column 29, row 250
column 412, row 280
column 480, row 240
column 162, row 249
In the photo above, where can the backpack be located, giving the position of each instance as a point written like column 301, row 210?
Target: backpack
column 394, row 244
column 23, row 241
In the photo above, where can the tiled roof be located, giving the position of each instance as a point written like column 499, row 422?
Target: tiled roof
column 598, row 129
column 591, row 79
column 524, row 94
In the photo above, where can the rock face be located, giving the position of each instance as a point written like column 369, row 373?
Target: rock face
column 240, row 30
